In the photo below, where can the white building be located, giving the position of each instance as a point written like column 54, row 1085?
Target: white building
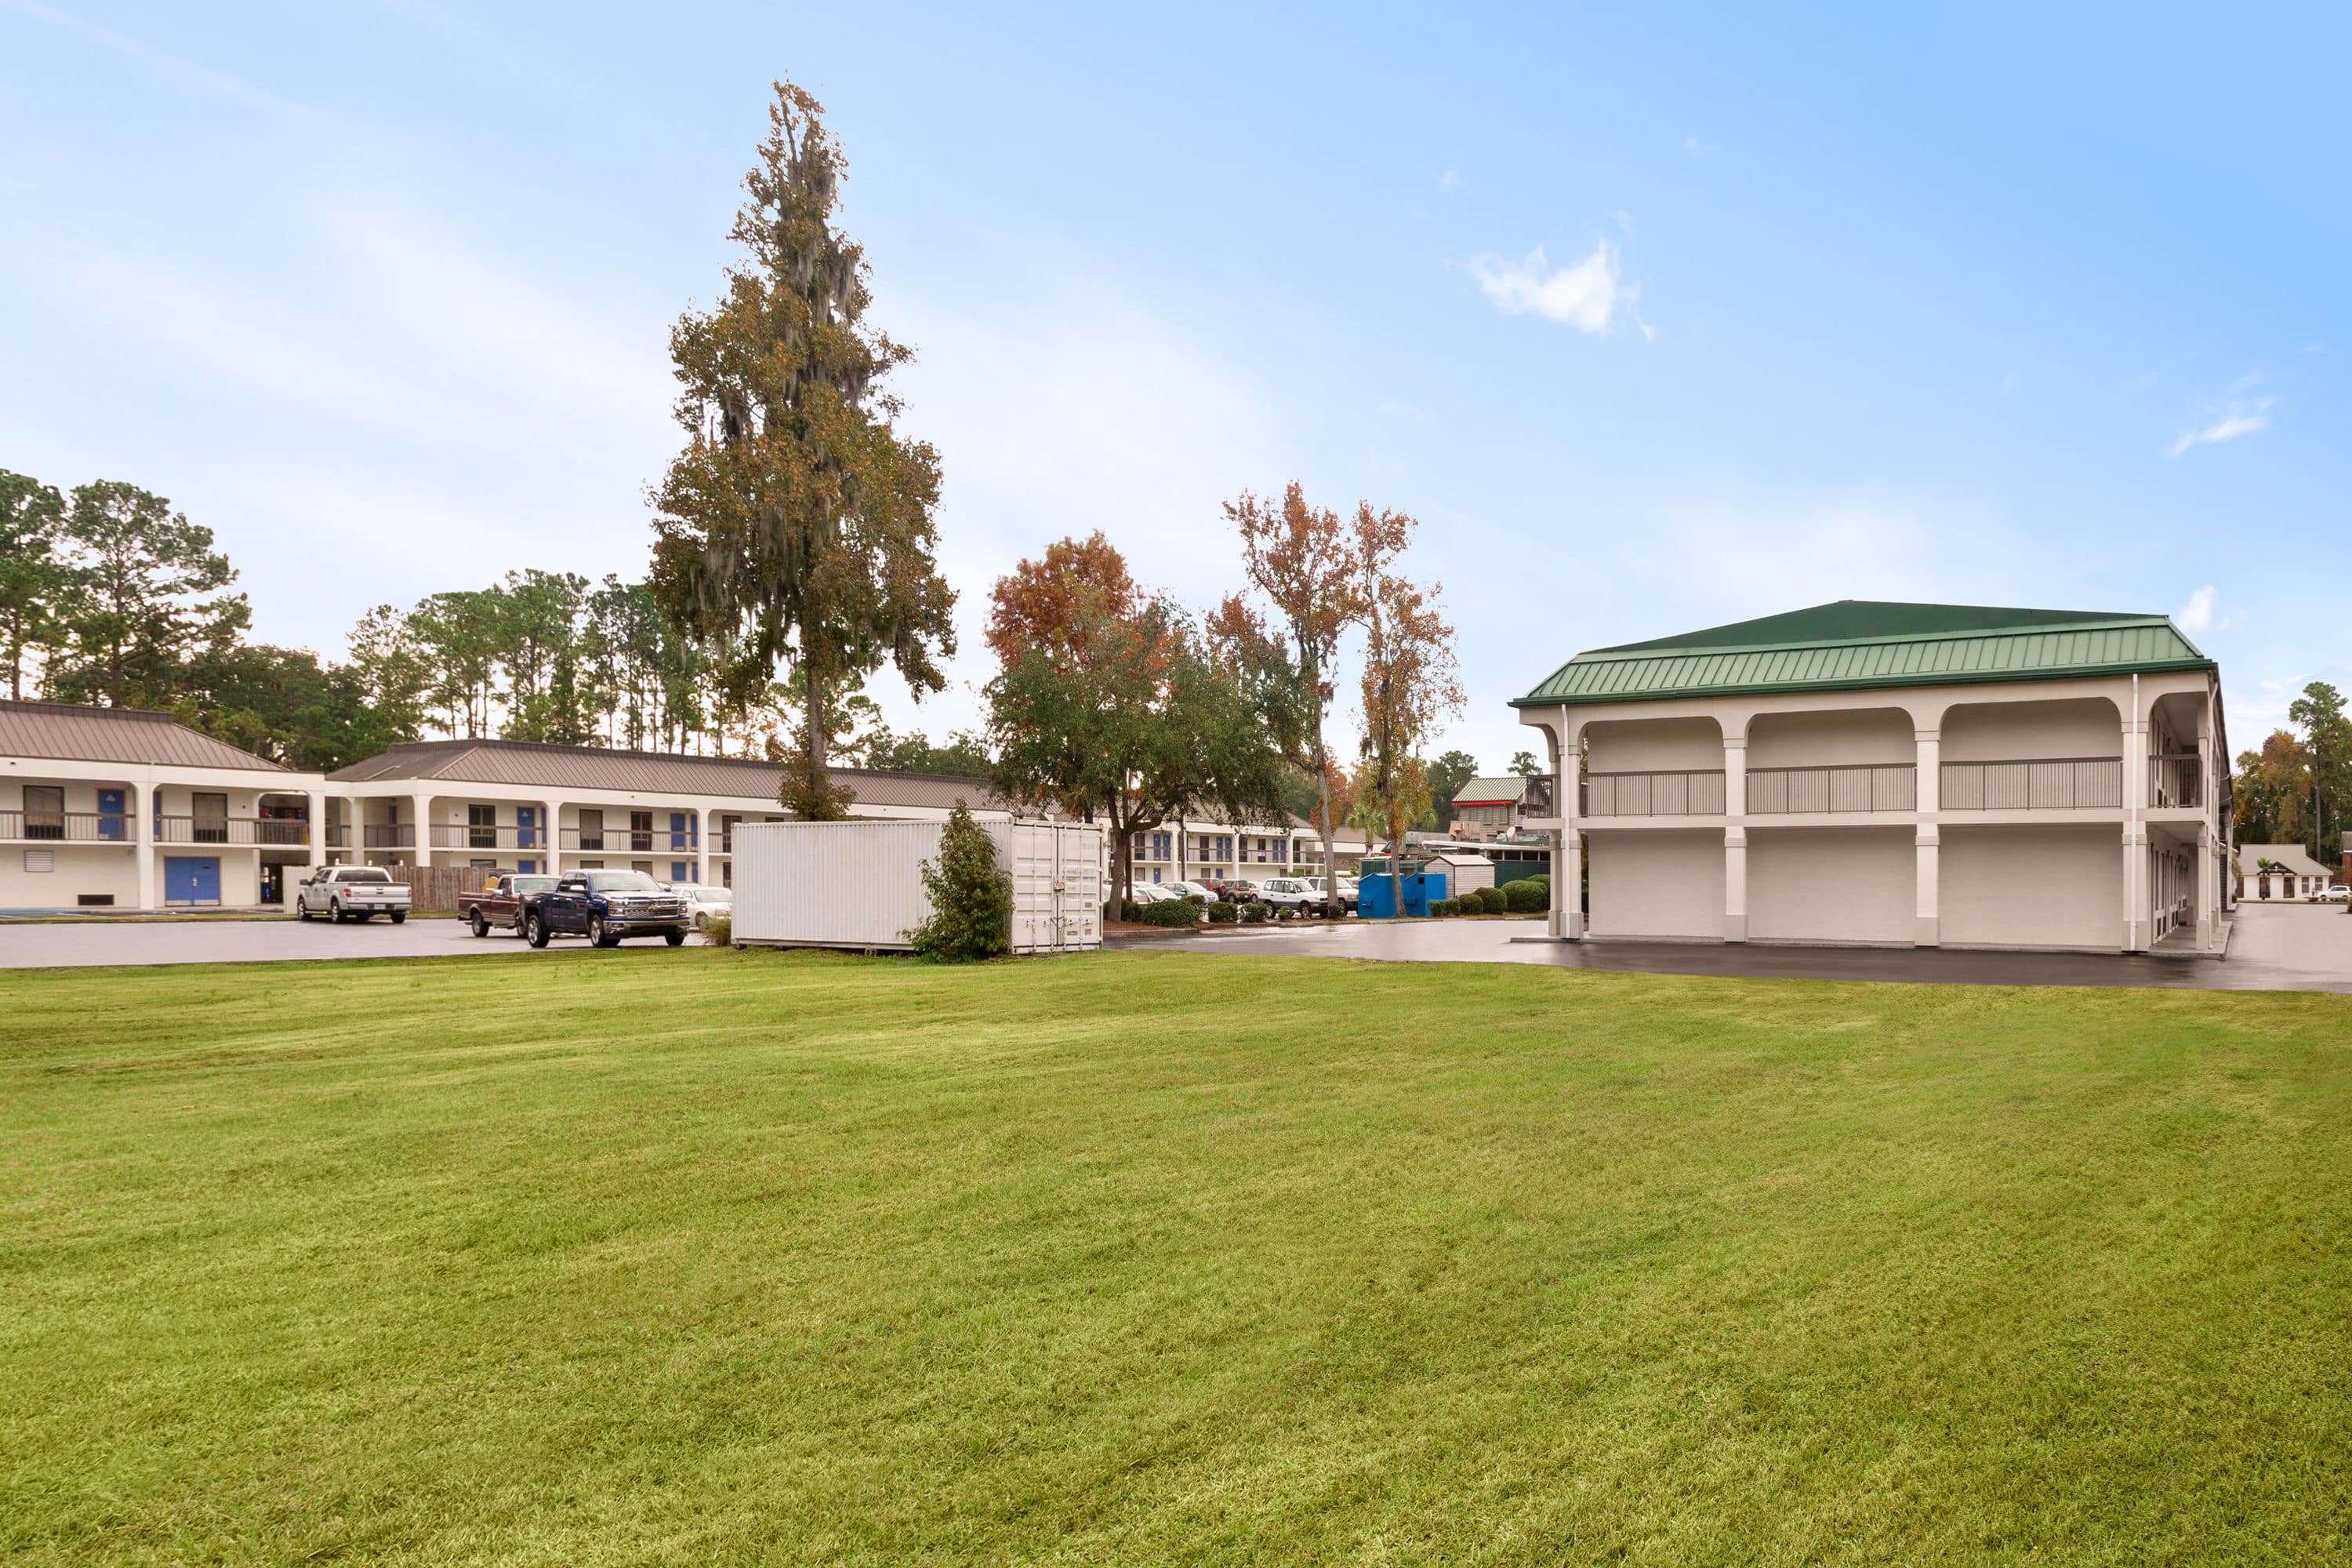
column 116, row 808
column 1488, row 809
column 2274, row 871
column 1892, row 774
column 1209, row 848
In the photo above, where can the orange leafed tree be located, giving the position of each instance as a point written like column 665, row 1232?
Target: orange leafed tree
column 1410, row 686
column 1314, row 572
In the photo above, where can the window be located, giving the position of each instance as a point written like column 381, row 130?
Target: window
column 727, row 831
column 641, row 830
column 592, row 865
column 642, row 867
column 479, row 864
column 482, row 827
column 44, row 812
column 211, row 813
column 592, row 827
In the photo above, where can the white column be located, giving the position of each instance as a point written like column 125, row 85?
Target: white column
column 1568, row 885
column 142, row 813
column 702, row 825
column 554, row 832
column 422, row 806
column 2209, row 890
column 2138, row 894
column 1928, row 838
column 1734, row 836
column 318, row 833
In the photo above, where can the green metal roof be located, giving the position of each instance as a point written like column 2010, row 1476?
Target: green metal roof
column 1858, row 643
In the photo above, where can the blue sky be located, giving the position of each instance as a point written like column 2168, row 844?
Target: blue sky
column 1654, row 319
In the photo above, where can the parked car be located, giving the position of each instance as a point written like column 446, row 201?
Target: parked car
column 604, row 907
column 498, row 904
column 1295, row 894
column 701, row 900
column 2338, row 894
column 1200, row 891
column 1153, row 893
column 1234, row 891
column 351, row 893
column 1345, row 903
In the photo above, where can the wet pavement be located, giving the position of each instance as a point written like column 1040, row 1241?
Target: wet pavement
column 2274, row 947
column 72, row 945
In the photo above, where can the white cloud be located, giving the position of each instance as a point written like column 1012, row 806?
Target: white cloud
column 2196, row 616
column 1588, row 296
column 2236, row 418
column 1450, row 181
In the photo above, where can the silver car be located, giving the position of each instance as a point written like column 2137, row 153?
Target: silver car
column 351, row 893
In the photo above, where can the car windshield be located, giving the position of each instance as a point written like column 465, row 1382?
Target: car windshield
column 369, row 874
column 533, row 884
column 621, row 882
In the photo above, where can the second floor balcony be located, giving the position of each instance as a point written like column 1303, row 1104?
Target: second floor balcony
column 267, row 832
column 1838, row 787
column 39, row 826
column 487, row 836
column 2039, row 784
column 1677, row 792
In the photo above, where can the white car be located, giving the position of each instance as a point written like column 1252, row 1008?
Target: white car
column 351, row 893
column 1346, row 885
column 1191, row 890
column 2338, row 894
column 1153, row 893
column 1297, row 894
column 702, row 899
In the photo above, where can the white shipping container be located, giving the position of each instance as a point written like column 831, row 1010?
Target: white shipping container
column 859, row 884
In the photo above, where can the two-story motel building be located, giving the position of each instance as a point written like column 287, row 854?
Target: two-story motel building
column 1892, row 774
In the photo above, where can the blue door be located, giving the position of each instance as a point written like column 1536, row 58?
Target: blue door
column 679, row 871
column 110, row 814
column 525, row 829
column 191, row 879
column 677, row 830
column 525, row 868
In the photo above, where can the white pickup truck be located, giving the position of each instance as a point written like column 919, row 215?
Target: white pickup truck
column 351, row 893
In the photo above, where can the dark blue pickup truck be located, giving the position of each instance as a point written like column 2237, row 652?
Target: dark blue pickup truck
column 604, row 907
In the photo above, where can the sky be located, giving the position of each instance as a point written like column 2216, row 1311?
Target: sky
column 1655, row 318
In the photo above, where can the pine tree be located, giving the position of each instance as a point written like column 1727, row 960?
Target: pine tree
column 972, row 898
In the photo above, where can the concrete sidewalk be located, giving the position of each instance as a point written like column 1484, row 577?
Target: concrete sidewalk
column 2275, row 947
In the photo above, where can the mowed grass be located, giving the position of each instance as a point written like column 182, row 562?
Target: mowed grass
column 692, row 1257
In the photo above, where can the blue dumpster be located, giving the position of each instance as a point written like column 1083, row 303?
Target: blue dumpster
column 1375, row 894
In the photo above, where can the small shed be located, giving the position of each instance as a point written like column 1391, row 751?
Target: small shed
column 859, row 884
column 1465, row 872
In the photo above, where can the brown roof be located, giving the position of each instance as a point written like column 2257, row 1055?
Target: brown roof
column 72, row 734
column 530, row 763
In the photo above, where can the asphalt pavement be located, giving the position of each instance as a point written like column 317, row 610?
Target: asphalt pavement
column 69, row 945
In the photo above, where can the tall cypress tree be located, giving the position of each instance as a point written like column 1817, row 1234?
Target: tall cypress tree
column 795, row 527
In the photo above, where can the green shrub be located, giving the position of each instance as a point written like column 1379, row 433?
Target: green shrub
column 719, row 929
column 1445, row 905
column 1490, row 900
column 1254, row 913
column 970, row 897
column 1224, row 913
column 1528, row 896
column 1175, row 914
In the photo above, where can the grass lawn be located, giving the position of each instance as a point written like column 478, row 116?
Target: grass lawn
column 687, row 1257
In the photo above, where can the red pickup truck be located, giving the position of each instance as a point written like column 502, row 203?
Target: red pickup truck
column 500, row 903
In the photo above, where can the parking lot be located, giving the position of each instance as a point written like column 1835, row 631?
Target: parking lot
column 2273, row 947
column 68, row 945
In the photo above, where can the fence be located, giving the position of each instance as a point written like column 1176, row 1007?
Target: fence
column 435, row 888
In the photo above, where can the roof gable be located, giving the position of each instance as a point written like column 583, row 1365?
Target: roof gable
column 69, row 732
column 1860, row 643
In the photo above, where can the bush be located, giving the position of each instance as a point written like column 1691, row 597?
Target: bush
column 719, row 929
column 1254, row 913
column 1175, row 914
column 1528, row 896
column 971, row 899
column 1490, row 900
column 1446, row 907
column 1224, row 913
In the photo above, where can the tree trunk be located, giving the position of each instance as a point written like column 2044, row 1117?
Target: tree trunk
column 1396, row 857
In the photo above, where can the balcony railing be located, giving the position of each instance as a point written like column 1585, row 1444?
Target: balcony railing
column 67, row 826
column 1539, row 797
column 2049, row 783
column 339, row 835
column 267, row 831
column 1695, row 792
column 1858, row 786
column 387, row 836
column 2175, row 778
column 629, row 841
column 487, row 836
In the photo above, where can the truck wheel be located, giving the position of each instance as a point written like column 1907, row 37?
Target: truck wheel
column 675, row 938
column 481, row 927
column 335, row 911
column 398, row 916
column 301, row 910
column 598, row 936
column 534, row 930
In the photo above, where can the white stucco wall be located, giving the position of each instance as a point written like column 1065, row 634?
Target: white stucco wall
column 1855, row 884
column 2032, row 886
column 2000, row 732
column 1645, row 745
column 1831, row 739
column 1657, row 884
column 79, row 868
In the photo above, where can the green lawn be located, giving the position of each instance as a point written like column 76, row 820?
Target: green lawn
column 689, row 1257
